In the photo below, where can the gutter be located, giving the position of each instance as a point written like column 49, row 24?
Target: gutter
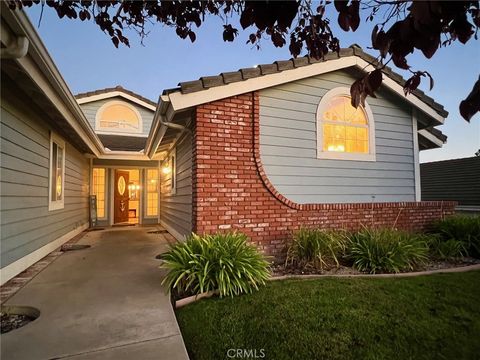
column 163, row 113
column 16, row 47
column 20, row 24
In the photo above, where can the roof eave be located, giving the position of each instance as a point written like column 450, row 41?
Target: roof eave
column 38, row 53
column 182, row 101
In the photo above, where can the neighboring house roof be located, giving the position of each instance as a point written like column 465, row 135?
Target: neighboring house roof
column 207, row 82
column 456, row 180
column 114, row 92
column 123, row 143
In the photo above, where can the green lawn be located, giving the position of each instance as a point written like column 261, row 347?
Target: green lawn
column 429, row 317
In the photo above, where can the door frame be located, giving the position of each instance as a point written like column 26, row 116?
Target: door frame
column 112, row 191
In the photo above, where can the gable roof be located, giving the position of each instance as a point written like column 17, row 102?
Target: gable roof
column 266, row 70
column 111, row 92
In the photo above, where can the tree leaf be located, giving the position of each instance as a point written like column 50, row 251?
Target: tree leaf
column 375, row 79
column 471, row 105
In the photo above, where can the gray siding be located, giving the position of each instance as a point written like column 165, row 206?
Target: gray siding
column 26, row 223
column 288, row 147
column 90, row 110
column 176, row 209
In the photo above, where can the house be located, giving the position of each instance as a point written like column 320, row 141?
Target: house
column 261, row 150
column 453, row 180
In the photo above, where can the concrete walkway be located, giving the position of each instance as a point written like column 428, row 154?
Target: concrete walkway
column 104, row 302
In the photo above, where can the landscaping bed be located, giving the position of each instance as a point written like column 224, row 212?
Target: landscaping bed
column 347, row 268
column 424, row 317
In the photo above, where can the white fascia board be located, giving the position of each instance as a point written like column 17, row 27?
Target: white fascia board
column 184, row 101
column 113, row 94
column 157, row 130
column 430, row 137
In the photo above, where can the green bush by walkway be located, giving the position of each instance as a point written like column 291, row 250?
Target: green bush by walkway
column 427, row 317
column 222, row 262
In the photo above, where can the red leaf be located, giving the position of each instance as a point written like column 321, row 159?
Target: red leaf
column 375, row 79
column 115, row 41
column 471, row 105
column 340, row 5
column 343, row 21
column 374, row 36
column 356, row 92
column 354, row 12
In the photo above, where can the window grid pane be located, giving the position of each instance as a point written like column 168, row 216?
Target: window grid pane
column 345, row 129
column 152, row 192
column 99, row 190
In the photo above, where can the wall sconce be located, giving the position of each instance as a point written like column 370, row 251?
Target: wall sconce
column 166, row 169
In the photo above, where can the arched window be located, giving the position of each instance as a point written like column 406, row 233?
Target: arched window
column 343, row 132
column 118, row 116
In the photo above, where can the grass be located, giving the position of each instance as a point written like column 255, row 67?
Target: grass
column 427, row 317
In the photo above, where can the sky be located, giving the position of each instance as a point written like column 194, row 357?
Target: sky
column 88, row 60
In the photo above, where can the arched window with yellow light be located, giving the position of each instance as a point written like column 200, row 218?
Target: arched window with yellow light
column 343, row 132
column 118, row 117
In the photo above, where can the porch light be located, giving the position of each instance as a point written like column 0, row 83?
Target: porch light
column 166, row 169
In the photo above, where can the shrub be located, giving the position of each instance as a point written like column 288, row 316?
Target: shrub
column 223, row 262
column 386, row 250
column 441, row 248
column 465, row 229
column 316, row 247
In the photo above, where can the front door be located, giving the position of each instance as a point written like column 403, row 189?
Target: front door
column 121, row 196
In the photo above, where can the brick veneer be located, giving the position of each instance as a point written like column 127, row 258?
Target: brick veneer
column 231, row 190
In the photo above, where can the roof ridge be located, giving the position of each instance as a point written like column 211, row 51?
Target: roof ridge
column 112, row 89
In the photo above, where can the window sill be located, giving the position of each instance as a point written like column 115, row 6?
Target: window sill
column 345, row 156
column 57, row 205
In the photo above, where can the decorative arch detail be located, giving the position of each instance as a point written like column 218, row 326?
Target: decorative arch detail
column 118, row 117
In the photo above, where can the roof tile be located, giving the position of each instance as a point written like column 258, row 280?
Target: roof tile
column 278, row 66
column 211, row 81
column 231, row 76
column 248, row 73
column 284, row 65
column 112, row 89
column 268, row 68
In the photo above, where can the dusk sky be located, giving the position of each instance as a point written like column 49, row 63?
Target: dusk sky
column 88, row 60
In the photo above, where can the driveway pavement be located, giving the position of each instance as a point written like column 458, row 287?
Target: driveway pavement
column 104, row 302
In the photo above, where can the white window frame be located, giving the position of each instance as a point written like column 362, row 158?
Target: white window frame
column 113, row 131
column 56, row 204
column 146, row 192
column 335, row 155
column 105, row 176
column 172, row 162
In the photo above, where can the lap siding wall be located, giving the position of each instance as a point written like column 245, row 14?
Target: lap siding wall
column 26, row 223
column 232, row 192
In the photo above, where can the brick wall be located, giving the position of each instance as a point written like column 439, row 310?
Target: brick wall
column 232, row 192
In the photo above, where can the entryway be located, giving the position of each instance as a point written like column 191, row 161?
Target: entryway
column 127, row 196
